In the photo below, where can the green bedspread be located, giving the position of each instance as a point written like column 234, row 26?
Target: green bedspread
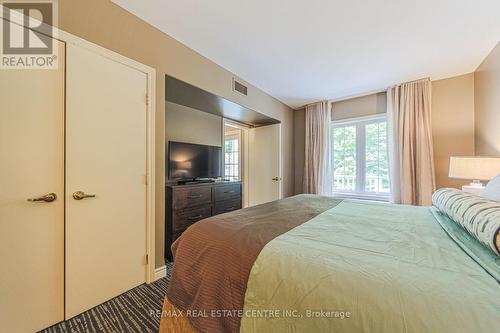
column 369, row 267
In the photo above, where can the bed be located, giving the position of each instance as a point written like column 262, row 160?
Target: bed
column 318, row 264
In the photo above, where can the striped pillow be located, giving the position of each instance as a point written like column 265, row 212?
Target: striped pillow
column 479, row 216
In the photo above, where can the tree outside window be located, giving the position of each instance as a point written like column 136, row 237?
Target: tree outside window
column 359, row 157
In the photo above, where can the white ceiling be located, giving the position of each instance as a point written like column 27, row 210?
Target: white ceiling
column 310, row 50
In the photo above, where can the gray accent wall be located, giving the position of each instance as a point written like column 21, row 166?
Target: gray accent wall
column 186, row 124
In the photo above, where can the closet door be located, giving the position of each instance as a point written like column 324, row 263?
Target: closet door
column 32, row 167
column 105, row 179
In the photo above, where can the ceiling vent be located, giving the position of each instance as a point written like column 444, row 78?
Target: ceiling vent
column 239, row 87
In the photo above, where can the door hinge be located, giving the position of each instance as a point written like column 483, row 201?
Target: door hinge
column 147, row 259
column 147, row 99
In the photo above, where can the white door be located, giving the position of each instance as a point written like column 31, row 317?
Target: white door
column 264, row 164
column 31, row 166
column 106, row 158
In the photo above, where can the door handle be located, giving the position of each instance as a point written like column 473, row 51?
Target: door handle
column 276, row 179
column 46, row 198
column 79, row 195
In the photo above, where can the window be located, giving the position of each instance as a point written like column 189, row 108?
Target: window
column 232, row 156
column 359, row 157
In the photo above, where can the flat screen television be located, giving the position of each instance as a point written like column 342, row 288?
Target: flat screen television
column 192, row 161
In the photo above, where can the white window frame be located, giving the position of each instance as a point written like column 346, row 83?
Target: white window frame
column 231, row 135
column 360, row 123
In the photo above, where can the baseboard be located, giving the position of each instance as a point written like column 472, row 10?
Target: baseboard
column 160, row 272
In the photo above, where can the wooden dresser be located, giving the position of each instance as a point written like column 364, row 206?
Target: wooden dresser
column 187, row 204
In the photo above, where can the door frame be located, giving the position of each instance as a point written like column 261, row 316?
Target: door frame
column 243, row 136
column 150, row 99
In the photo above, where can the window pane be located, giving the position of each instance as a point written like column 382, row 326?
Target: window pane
column 344, row 158
column 376, row 161
column 231, row 159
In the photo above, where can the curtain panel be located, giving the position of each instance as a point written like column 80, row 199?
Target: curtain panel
column 411, row 157
column 317, row 171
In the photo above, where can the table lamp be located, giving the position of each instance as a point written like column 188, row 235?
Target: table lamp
column 475, row 168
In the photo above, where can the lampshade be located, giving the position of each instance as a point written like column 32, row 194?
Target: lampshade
column 474, row 167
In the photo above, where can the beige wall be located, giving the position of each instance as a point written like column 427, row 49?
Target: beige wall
column 299, row 134
column 104, row 23
column 487, row 104
column 452, row 124
column 186, row 124
column 360, row 106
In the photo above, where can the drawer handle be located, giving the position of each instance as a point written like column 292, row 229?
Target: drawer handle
column 229, row 191
column 194, row 196
column 195, row 217
column 228, row 209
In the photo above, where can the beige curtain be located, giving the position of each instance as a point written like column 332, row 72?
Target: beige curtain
column 411, row 162
column 317, row 172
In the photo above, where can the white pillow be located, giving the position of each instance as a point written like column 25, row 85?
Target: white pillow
column 492, row 189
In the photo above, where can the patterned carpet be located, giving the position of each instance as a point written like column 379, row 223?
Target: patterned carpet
column 137, row 310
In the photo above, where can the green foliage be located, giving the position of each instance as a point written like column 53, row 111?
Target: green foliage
column 377, row 164
column 375, row 156
column 344, row 151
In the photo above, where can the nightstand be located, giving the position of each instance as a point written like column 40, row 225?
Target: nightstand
column 473, row 189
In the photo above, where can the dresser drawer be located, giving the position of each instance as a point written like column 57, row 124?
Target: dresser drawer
column 188, row 197
column 224, row 192
column 227, row 206
column 183, row 219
